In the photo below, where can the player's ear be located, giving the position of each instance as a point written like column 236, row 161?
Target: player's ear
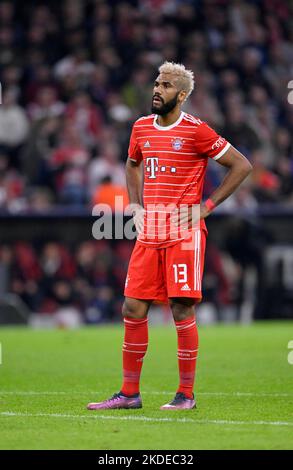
column 182, row 96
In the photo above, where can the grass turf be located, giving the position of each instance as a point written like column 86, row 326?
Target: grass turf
column 243, row 386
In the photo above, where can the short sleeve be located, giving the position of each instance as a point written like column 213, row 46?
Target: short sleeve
column 134, row 152
column 209, row 143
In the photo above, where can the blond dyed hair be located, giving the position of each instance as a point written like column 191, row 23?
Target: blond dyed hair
column 184, row 78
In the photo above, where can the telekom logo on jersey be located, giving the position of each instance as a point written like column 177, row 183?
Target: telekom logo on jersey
column 152, row 167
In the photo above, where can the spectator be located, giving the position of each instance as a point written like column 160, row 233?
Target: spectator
column 238, row 131
column 69, row 165
column 11, row 185
column 46, row 105
column 106, row 164
column 267, row 184
column 86, row 118
column 108, row 193
column 76, row 65
column 14, row 126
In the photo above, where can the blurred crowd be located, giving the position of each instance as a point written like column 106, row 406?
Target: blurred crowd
column 85, row 281
column 76, row 74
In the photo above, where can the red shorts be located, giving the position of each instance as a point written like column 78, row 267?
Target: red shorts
column 160, row 273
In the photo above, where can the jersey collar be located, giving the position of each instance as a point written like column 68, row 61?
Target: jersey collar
column 166, row 128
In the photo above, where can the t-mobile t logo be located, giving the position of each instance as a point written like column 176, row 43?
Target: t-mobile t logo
column 152, row 166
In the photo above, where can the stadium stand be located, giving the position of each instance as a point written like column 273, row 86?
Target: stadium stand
column 76, row 74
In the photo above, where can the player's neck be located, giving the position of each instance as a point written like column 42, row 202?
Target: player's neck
column 170, row 118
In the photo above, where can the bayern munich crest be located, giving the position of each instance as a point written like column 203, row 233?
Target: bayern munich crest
column 177, row 143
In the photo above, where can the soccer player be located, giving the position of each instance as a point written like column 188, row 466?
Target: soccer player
column 166, row 264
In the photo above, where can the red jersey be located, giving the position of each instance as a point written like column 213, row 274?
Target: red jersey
column 175, row 160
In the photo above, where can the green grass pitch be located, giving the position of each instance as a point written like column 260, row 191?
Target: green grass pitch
column 243, row 386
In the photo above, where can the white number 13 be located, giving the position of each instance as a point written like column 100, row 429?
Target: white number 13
column 180, row 273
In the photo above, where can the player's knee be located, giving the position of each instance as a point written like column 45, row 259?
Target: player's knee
column 182, row 309
column 133, row 308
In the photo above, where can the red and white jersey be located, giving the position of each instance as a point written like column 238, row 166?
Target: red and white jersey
column 175, row 160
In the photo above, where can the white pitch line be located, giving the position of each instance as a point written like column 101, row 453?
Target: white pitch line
column 90, row 392
column 145, row 418
column 229, row 394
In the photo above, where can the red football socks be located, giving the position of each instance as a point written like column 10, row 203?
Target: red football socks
column 134, row 349
column 187, row 354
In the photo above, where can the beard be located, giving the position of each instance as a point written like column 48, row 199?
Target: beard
column 165, row 108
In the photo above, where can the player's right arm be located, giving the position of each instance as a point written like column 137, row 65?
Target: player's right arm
column 134, row 180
